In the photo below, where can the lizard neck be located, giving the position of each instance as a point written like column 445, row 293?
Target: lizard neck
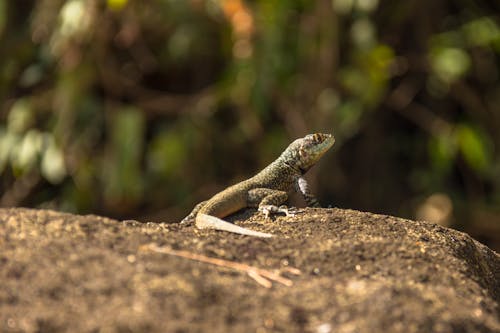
column 277, row 175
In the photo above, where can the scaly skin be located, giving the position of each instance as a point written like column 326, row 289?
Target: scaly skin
column 266, row 190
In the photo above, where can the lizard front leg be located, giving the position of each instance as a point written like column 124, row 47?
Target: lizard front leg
column 303, row 188
column 268, row 201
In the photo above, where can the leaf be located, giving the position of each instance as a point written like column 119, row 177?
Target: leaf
column 122, row 171
column 26, row 153
column 20, row 116
column 7, row 141
column 3, row 15
column 52, row 166
column 167, row 154
column 442, row 151
column 482, row 31
column 474, row 147
column 116, row 4
column 449, row 63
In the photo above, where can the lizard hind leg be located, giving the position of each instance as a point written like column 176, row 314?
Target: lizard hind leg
column 204, row 221
column 191, row 217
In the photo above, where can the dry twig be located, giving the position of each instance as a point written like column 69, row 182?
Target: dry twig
column 261, row 276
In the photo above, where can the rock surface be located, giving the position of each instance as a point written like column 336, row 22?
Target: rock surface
column 361, row 272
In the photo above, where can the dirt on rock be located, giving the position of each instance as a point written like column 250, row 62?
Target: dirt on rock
column 359, row 272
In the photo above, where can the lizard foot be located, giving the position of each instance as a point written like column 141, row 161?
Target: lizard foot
column 267, row 210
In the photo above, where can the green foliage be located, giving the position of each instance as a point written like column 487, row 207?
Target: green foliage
column 442, row 150
column 122, row 167
column 123, row 107
column 483, row 31
column 3, row 15
column 168, row 154
column 474, row 148
column 449, row 64
column 468, row 142
column 25, row 148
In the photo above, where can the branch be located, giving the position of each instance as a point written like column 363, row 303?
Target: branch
column 261, row 276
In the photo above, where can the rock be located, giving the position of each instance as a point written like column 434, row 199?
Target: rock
column 361, row 272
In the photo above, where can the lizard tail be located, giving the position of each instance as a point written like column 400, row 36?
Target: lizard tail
column 204, row 221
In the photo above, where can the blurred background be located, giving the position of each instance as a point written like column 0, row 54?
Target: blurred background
column 140, row 109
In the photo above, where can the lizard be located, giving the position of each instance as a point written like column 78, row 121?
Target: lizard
column 267, row 190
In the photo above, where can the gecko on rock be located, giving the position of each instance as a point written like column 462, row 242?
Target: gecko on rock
column 266, row 190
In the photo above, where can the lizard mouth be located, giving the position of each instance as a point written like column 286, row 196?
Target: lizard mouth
column 303, row 153
column 313, row 146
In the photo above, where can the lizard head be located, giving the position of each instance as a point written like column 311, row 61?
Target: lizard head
column 303, row 153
